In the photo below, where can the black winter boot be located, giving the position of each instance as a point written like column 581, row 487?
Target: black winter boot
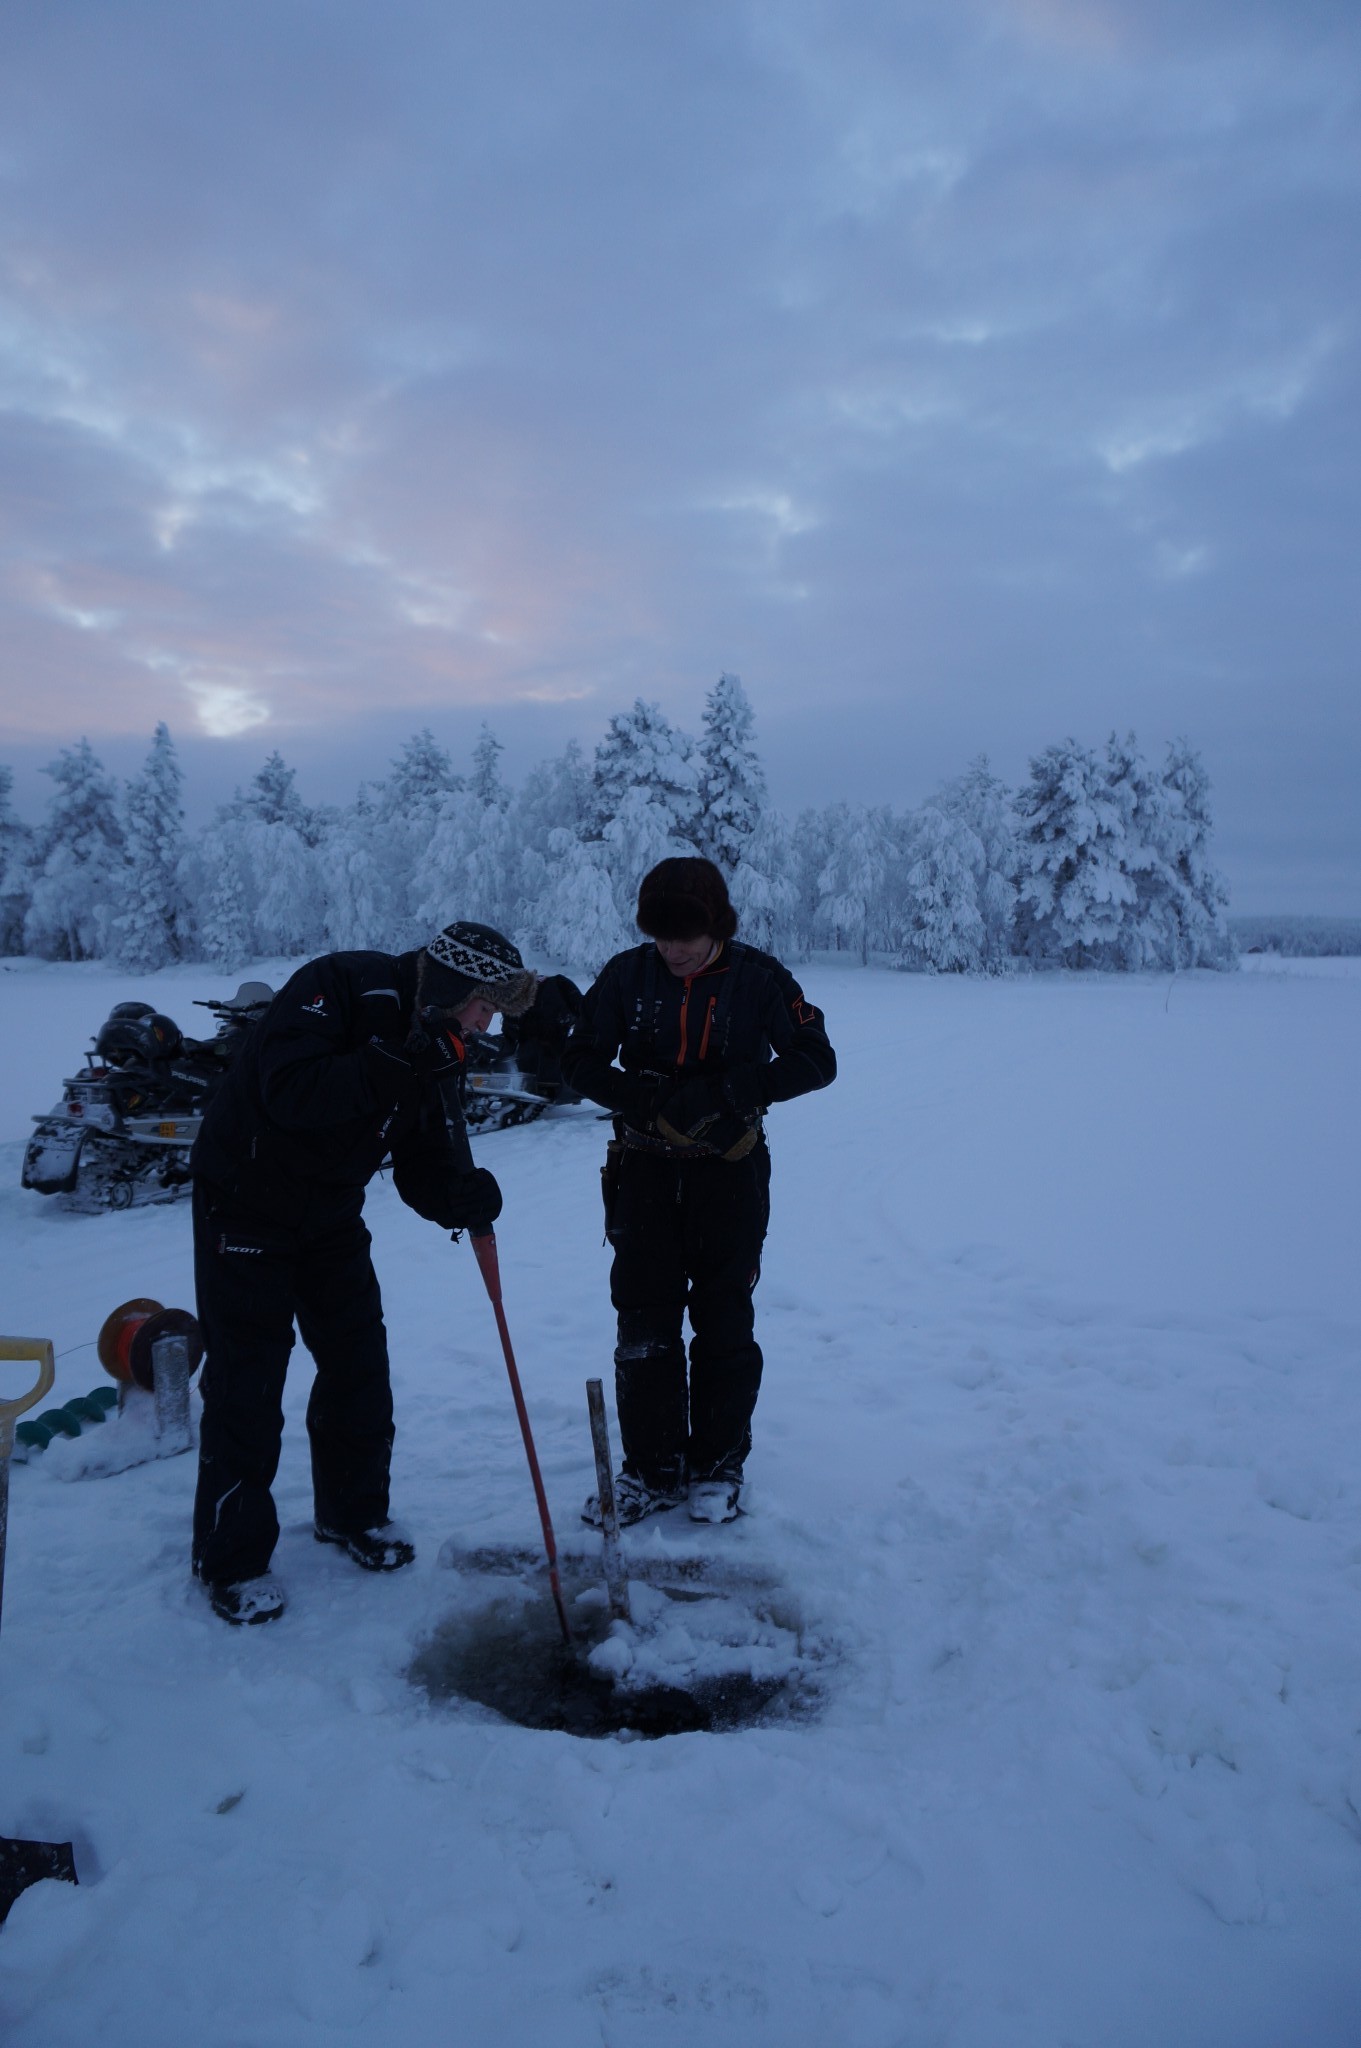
column 378, row 1550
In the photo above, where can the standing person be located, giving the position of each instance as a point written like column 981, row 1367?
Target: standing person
column 706, row 1034
column 350, row 1064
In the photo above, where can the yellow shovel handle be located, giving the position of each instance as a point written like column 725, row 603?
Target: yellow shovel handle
column 39, row 1349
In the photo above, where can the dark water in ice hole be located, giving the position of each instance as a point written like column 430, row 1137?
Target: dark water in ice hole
column 504, row 1651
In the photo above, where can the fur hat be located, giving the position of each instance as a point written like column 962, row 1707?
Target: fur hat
column 685, row 899
column 469, row 960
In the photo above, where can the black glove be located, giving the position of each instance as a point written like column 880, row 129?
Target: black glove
column 744, row 1088
column 474, row 1202
column 431, row 1050
column 641, row 1094
column 699, row 1114
column 690, row 1114
column 392, row 1066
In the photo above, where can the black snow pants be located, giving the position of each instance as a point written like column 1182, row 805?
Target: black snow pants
column 687, row 1235
column 253, row 1276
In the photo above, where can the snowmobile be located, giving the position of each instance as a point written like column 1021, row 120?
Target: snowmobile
column 514, row 1075
column 123, row 1130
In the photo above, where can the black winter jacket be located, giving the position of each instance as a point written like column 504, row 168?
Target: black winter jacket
column 311, row 1108
column 725, row 1023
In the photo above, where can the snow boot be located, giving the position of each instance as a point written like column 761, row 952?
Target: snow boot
column 385, row 1549
column 246, row 1601
column 716, row 1500
column 632, row 1501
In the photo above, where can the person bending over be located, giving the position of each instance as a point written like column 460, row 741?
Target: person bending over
column 355, row 1061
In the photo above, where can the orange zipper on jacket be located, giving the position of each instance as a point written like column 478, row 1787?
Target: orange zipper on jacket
column 685, row 1018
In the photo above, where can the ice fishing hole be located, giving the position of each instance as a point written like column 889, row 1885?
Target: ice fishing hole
column 708, row 1648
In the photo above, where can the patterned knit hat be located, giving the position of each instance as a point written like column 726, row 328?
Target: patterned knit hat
column 685, row 899
column 470, row 960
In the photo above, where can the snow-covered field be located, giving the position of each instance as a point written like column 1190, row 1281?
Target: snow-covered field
column 1055, row 1481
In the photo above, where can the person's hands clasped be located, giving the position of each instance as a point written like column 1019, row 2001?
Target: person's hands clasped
column 699, row 1113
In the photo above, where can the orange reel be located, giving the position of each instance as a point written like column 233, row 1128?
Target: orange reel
column 128, row 1334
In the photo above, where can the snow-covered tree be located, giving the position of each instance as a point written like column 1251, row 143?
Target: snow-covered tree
column 636, row 838
column 643, row 751
column 810, row 848
column 937, row 923
column 485, row 781
column 149, row 924
column 984, row 803
column 1074, row 892
column 732, row 782
column 256, row 875
column 78, row 857
column 273, row 797
column 419, row 779
column 763, row 886
column 406, row 808
column 357, row 892
column 221, row 889
column 467, row 866
column 645, row 798
column 1200, row 893
column 555, row 797
column 577, row 919
column 851, row 903
column 15, row 852
column 1148, row 932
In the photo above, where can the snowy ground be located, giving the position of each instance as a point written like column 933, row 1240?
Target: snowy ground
column 1055, row 1482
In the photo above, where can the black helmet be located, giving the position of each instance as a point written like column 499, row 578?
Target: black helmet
column 137, row 1033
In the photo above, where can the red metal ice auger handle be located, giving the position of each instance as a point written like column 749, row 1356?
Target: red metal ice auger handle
column 484, row 1249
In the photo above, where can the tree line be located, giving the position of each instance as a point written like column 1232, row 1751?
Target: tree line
column 1100, row 860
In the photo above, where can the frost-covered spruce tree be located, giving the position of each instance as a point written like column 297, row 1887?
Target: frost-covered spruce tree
column 150, row 923
column 15, row 852
column 420, row 777
column 937, row 924
column 407, row 805
column 358, row 897
column 1200, row 892
column 811, row 848
column 470, row 864
column 642, row 750
column 636, row 837
column 555, row 797
column 485, row 782
column 645, row 797
column 984, row 803
column 763, row 887
column 273, row 798
column 257, row 874
column 577, row 920
column 851, row 906
column 732, row 781
column 467, row 866
column 1148, row 934
column 222, row 891
column 290, row 911
column 79, row 854
column 1073, row 889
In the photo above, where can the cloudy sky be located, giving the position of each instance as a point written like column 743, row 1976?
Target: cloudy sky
column 961, row 373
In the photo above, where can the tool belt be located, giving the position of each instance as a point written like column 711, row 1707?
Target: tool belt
column 686, row 1148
